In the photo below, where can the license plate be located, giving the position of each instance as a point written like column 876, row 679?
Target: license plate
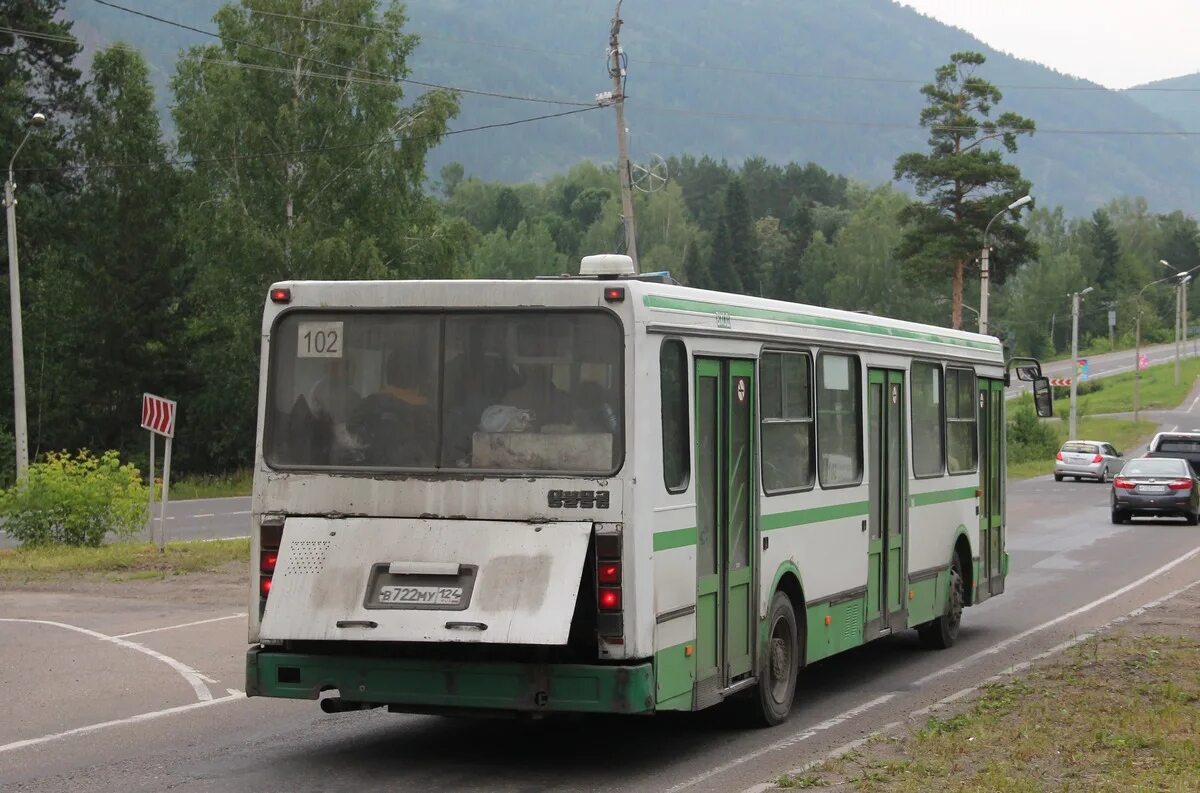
column 418, row 591
column 1152, row 489
column 421, row 595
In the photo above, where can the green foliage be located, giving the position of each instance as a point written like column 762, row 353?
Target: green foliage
column 75, row 500
column 1030, row 438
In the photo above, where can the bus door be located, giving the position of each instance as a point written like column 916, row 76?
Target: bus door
column 991, row 483
column 888, row 521
column 726, row 525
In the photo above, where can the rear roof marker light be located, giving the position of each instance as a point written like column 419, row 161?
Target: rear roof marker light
column 614, row 294
column 281, row 295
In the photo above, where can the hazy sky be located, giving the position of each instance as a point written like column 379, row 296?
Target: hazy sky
column 1117, row 43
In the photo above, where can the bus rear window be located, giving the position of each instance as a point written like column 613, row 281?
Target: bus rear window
column 533, row 392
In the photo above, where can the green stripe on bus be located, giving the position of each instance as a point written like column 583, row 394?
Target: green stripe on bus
column 676, row 538
column 681, row 304
column 942, row 496
column 800, row 517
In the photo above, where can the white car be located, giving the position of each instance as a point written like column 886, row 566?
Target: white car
column 1096, row 460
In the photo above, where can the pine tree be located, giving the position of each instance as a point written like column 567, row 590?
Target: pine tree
column 963, row 184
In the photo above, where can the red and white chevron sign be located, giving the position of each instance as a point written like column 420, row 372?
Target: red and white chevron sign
column 158, row 415
column 1060, row 381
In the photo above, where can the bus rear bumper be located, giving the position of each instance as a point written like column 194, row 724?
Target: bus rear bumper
column 433, row 686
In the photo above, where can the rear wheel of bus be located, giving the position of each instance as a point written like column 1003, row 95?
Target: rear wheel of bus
column 942, row 632
column 778, row 665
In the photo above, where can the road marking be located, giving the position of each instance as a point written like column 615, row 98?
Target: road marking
column 809, row 732
column 205, row 515
column 1193, row 405
column 194, row 678
column 243, row 512
column 232, row 696
column 957, row 695
column 795, row 738
column 181, row 625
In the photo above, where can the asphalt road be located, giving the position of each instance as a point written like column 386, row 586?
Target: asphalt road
column 196, row 519
column 160, row 709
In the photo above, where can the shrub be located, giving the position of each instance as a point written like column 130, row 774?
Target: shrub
column 75, row 500
column 1029, row 438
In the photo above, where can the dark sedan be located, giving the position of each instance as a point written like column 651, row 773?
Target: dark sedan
column 1156, row 486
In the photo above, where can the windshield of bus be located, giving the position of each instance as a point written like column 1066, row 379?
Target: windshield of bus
column 527, row 391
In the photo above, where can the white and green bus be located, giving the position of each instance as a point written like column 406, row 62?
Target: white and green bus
column 608, row 493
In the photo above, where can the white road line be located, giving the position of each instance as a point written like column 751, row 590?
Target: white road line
column 957, row 695
column 243, row 512
column 795, row 738
column 206, row 515
column 233, row 696
column 181, row 625
column 863, row 708
column 194, row 678
column 999, row 646
column 1193, row 405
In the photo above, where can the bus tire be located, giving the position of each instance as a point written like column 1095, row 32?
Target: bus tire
column 942, row 632
column 779, row 666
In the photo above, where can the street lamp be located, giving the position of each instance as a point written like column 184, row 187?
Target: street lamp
column 1075, row 352
column 1181, row 310
column 983, row 262
column 1137, row 354
column 20, row 430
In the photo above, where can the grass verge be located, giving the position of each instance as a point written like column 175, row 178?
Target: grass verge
column 212, row 486
column 1125, row 434
column 1156, row 391
column 120, row 561
column 1118, row 712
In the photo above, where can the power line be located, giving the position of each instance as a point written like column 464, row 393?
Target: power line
column 322, row 62
column 305, row 151
column 780, row 119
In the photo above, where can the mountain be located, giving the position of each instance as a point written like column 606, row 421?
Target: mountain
column 1177, row 99
column 836, row 82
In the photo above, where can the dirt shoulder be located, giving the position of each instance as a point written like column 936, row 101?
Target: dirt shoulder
column 225, row 586
column 1119, row 711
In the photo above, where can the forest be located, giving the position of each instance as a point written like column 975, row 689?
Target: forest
column 145, row 261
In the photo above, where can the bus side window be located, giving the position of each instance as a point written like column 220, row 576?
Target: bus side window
column 961, row 441
column 839, row 420
column 927, row 419
column 787, row 421
column 676, row 440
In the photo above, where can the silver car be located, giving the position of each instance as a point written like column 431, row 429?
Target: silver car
column 1087, row 459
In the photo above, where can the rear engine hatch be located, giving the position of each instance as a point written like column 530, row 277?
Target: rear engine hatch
column 414, row 580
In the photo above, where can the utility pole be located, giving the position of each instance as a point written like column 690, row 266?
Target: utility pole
column 617, row 70
column 1075, row 355
column 1178, row 313
column 20, row 428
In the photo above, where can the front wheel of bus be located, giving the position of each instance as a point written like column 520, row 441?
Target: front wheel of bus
column 943, row 631
column 780, row 664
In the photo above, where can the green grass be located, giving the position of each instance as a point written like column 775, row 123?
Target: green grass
column 121, row 561
column 212, row 486
column 1157, row 390
column 1124, row 434
column 1116, row 713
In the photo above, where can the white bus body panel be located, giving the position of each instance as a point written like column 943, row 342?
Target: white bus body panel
column 524, row 592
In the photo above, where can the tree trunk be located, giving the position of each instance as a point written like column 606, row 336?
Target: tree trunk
column 957, row 296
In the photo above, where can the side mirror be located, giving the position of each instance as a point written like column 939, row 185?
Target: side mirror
column 1043, row 399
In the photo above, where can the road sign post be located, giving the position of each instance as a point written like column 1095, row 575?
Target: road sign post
column 158, row 416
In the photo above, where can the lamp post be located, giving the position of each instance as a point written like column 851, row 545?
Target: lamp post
column 20, row 430
column 1075, row 298
column 1180, row 310
column 984, row 275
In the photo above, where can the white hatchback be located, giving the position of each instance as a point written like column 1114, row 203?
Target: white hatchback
column 1087, row 460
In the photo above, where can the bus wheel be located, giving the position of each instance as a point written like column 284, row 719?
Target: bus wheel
column 943, row 631
column 778, row 668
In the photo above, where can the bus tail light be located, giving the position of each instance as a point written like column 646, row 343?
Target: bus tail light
column 608, row 573
column 269, row 539
column 1180, row 484
column 610, row 618
column 1123, row 484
